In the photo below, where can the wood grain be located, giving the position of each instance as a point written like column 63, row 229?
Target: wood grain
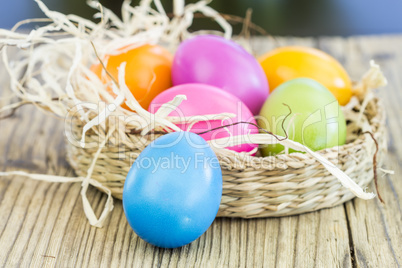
column 43, row 224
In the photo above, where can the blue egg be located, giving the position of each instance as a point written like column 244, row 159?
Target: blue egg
column 173, row 190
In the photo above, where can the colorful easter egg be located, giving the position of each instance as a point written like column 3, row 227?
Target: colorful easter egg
column 317, row 120
column 173, row 190
column 209, row 100
column 147, row 73
column 286, row 63
column 219, row 62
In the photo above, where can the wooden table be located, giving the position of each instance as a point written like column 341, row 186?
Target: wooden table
column 44, row 223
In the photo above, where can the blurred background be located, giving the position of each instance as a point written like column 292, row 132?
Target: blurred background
column 277, row 17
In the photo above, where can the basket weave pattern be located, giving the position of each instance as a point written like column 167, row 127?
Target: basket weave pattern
column 259, row 187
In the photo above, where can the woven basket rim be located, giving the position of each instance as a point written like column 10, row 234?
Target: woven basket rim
column 293, row 156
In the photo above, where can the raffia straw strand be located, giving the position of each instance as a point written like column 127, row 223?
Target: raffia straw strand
column 109, row 202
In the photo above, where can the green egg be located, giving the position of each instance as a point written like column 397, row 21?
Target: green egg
column 316, row 121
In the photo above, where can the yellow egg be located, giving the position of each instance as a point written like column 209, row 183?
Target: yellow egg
column 286, row 63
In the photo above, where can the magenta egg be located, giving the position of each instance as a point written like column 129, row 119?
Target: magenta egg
column 209, row 100
column 219, row 62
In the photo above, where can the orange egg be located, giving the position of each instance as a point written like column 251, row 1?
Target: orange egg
column 147, row 73
column 286, row 63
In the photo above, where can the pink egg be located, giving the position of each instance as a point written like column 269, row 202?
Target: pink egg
column 208, row 100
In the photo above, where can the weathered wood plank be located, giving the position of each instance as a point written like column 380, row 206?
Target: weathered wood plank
column 391, row 214
column 376, row 229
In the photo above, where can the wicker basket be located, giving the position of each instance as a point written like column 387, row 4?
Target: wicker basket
column 260, row 186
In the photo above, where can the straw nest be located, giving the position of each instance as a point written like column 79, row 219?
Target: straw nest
column 279, row 185
column 52, row 71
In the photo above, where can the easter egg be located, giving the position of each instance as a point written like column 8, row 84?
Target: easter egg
column 316, row 120
column 147, row 73
column 286, row 63
column 209, row 100
column 219, row 62
column 173, row 190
